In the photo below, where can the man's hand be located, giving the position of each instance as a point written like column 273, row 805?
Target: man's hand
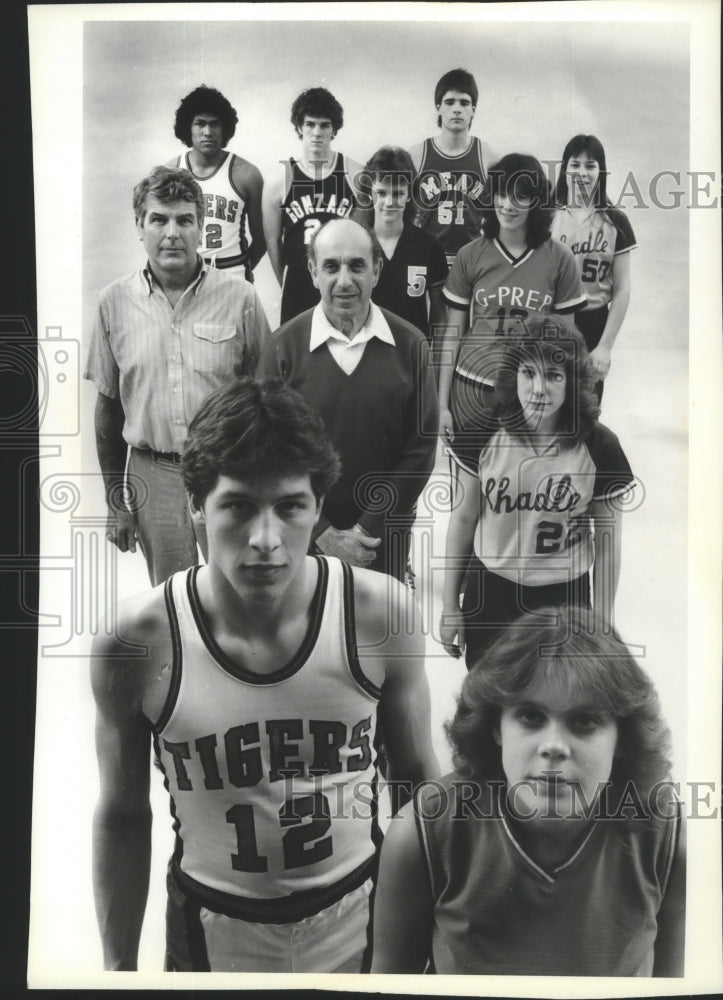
column 451, row 626
column 120, row 528
column 352, row 545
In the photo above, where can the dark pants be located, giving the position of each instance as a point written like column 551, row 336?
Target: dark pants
column 491, row 602
column 297, row 294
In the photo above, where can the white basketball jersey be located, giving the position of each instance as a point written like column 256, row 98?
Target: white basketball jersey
column 224, row 225
column 271, row 777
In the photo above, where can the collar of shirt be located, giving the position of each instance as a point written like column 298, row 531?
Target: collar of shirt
column 348, row 353
column 152, row 281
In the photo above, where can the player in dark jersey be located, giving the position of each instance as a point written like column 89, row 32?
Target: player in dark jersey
column 305, row 193
column 231, row 185
column 414, row 267
column 259, row 678
column 529, row 859
column 452, row 167
column 547, row 475
column 601, row 239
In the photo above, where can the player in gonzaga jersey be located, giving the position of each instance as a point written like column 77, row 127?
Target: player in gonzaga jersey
column 556, row 847
column 452, row 167
column 305, row 193
column 514, row 270
column 548, row 475
column 259, row 678
column 601, row 239
column 206, row 122
column 414, row 267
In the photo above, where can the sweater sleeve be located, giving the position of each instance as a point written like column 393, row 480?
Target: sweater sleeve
column 412, row 472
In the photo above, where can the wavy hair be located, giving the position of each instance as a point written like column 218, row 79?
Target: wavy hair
column 522, row 175
column 545, row 339
column 317, row 102
column 168, row 184
column 575, row 654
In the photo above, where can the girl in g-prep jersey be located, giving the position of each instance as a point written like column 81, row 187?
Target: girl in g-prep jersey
column 601, row 238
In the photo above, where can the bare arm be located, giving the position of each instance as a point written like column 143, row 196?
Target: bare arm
column 403, row 904
column 112, row 449
column 616, row 314
column 391, row 652
column 608, row 522
column 452, row 335
column 122, row 819
column 670, row 940
column 458, row 549
column 249, row 182
column 272, row 215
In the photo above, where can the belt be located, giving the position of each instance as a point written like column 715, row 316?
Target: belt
column 165, row 456
column 222, row 262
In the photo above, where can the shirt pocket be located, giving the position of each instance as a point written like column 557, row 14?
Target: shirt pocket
column 214, row 348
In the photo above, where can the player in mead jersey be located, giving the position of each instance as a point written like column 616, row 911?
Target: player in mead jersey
column 452, row 167
column 259, row 678
column 206, row 122
column 529, row 859
column 303, row 194
column 548, row 474
column 601, row 239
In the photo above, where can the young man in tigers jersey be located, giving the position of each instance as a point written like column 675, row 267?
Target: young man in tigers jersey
column 259, row 678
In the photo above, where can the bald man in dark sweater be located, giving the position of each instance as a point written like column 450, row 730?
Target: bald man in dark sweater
column 367, row 373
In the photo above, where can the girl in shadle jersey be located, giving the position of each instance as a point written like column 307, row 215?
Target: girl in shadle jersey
column 555, row 847
column 601, row 239
column 546, row 475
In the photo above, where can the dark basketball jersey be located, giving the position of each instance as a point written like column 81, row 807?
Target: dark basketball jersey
column 417, row 265
column 308, row 204
column 448, row 194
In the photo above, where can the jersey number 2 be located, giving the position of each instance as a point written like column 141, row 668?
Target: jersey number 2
column 303, row 843
column 213, row 236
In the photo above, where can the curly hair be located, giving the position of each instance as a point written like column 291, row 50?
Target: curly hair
column 575, row 654
column 168, row 184
column 204, row 100
column 389, row 163
column 523, row 176
column 247, row 428
column 545, row 339
column 591, row 145
column 317, row 102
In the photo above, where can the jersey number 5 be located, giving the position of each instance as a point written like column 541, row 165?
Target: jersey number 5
column 303, row 843
column 416, row 281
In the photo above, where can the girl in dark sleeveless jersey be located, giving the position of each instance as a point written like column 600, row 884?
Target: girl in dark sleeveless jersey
column 601, row 239
column 555, row 846
column 545, row 476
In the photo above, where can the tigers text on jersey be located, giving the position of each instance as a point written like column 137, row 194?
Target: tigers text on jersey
column 271, row 777
column 595, row 241
column 223, row 235
column 447, row 193
column 535, row 509
column 309, row 203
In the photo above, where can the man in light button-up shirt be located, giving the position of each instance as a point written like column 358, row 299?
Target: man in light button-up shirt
column 367, row 373
column 163, row 339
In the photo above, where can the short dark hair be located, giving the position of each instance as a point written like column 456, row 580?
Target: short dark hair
column 584, row 658
column 373, row 240
column 248, row 428
column 389, row 163
column 317, row 102
column 523, row 175
column 548, row 338
column 209, row 101
column 460, row 80
column 168, row 184
column 591, row 145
